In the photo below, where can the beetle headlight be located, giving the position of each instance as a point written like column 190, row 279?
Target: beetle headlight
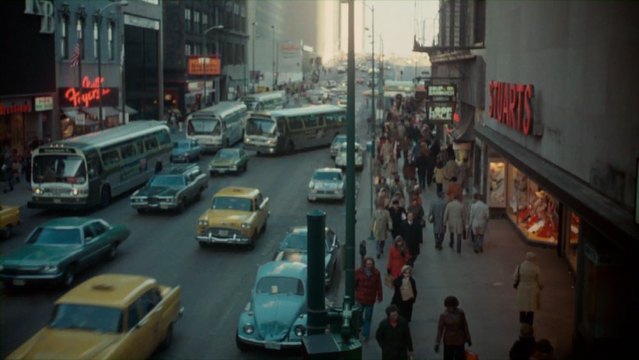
column 203, row 222
column 246, row 226
column 37, row 191
column 50, row 268
column 299, row 330
column 248, row 329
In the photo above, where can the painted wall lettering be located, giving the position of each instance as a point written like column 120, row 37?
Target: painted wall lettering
column 511, row 105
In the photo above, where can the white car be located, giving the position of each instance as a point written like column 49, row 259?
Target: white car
column 340, row 158
column 327, row 184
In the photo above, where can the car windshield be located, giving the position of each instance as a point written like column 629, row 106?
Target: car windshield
column 204, row 126
column 59, row 168
column 295, row 240
column 182, row 145
column 87, row 317
column 259, row 126
column 327, row 176
column 280, row 285
column 226, row 154
column 167, row 180
column 55, row 236
column 231, row 203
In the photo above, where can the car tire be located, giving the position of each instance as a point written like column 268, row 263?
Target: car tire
column 105, row 197
column 113, row 251
column 68, row 278
column 290, row 147
column 181, row 206
column 252, row 240
column 141, row 211
column 264, row 226
column 245, row 167
column 240, row 345
column 168, row 338
column 198, row 196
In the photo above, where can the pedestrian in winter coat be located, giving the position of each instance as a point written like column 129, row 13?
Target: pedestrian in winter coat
column 436, row 217
column 450, row 170
column 478, row 221
column 397, row 214
column 382, row 223
column 439, row 176
column 527, row 276
column 453, row 329
column 393, row 336
column 411, row 231
column 398, row 256
column 405, row 292
column 454, row 221
column 368, row 289
column 523, row 348
column 454, row 189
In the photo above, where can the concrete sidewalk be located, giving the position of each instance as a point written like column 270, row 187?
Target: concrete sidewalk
column 483, row 285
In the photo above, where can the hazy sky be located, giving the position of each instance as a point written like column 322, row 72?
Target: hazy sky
column 399, row 20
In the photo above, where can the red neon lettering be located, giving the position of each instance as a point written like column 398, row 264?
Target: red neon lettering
column 512, row 92
column 528, row 117
column 491, row 104
column 85, row 98
column 520, row 101
column 504, row 105
column 511, row 105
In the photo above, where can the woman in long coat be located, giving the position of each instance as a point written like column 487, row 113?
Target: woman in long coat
column 398, row 256
column 381, row 225
column 527, row 276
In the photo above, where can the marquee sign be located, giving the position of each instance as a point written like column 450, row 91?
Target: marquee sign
column 511, row 105
column 89, row 94
column 442, row 91
column 14, row 106
column 442, row 112
column 204, row 65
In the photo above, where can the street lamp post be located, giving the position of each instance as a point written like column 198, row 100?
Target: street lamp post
column 99, row 18
column 204, row 59
column 273, row 28
column 373, row 121
column 253, row 76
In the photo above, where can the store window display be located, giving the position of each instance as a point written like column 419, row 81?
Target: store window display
column 497, row 184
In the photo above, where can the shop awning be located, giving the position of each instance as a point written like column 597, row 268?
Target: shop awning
column 107, row 111
column 71, row 113
column 464, row 130
column 599, row 211
column 129, row 110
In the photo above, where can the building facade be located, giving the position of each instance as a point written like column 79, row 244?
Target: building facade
column 551, row 92
column 213, row 32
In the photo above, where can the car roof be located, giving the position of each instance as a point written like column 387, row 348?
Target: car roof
column 282, row 268
column 67, row 222
column 235, row 150
column 329, row 169
column 238, row 191
column 302, row 229
column 114, row 290
column 177, row 169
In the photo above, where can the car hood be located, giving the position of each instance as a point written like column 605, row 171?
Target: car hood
column 227, row 218
column 157, row 191
column 327, row 185
column 65, row 344
column 275, row 314
column 222, row 162
column 179, row 151
column 34, row 255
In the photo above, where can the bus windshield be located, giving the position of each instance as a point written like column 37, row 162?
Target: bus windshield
column 59, row 168
column 204, row 126
column 260, row 126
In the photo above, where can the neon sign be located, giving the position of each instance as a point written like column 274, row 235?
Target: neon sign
column 89, row 94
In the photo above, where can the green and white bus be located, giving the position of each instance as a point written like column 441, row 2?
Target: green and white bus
column 293, row 129
column 88, row 170
column 265, row 101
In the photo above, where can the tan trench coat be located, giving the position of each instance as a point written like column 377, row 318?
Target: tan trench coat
column 529, row 289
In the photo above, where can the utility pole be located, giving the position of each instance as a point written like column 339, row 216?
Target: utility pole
column 273, row 48
column 204, row 58
column 253, row 76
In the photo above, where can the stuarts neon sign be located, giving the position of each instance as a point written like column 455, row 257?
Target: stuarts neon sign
column 89, row 93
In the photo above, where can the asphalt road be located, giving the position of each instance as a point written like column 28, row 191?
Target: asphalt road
column 215, row 281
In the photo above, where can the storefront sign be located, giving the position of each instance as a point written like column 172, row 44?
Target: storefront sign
column 442, row 90
column 440, row 112
column 205, row 65
column 14, row 106
column 511, row 105
column 89, row 95
column 44, row 103
column 42, row 8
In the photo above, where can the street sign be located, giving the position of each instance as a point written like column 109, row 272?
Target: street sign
column 441, row 112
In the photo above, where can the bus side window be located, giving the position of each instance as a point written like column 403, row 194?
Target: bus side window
column 127, row 150
column 295, row 123
column 164, row 137
column 94, row 167
column 111, row 157
column 150, row 143
column 310, row 121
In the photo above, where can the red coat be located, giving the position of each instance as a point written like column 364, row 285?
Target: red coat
column 368, row 288
column 396, row 261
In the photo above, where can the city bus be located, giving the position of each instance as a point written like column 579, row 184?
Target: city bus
column 287, row 130
column 265, row 101
column 88, row 170
column 218, row 126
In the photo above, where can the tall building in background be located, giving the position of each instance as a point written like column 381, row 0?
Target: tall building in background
column 205, row 52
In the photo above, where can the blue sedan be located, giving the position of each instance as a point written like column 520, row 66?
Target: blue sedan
column 186, row 150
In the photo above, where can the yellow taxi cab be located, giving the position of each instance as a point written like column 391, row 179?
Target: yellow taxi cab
column 109, row 316
column 237, row 215
column 9, row 219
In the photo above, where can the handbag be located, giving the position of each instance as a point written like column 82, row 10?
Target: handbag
column 516, row 283
column 469, row 355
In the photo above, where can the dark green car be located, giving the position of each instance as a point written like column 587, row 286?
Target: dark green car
column 229, row 160
column 57, row 250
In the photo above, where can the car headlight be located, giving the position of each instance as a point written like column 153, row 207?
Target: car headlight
column 50, row 268
column 271, row 141
column 311, row 185
column 246, row 226
column 1, row 267
column 248, row 329
column 37, row 191
column 300, row 330
column 203, row 222
column 234, row 167
column 247, row 140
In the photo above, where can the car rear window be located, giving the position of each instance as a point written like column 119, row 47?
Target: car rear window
column 280, row 285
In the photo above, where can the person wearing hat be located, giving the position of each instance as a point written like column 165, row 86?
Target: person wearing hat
column 405, row 292
column 527, row 280
column 523, row 348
